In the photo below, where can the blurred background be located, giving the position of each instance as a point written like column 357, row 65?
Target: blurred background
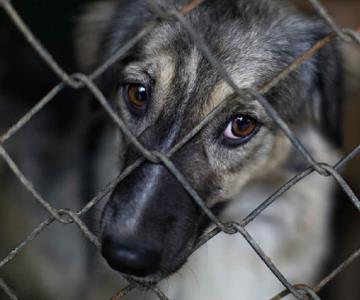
column 347, row 220
column 52, row 158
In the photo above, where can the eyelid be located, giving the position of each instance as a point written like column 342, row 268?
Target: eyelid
column 143, row 78
column 242, row 112
column 247, row 111
column 253, row 109
column 128, row 81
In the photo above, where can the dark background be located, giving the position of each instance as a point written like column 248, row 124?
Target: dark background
column 25, row 78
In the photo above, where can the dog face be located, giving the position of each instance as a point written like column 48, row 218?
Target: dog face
column 164, row 87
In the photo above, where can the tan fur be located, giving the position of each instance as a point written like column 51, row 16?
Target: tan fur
column 222, row 90
column 247, row 176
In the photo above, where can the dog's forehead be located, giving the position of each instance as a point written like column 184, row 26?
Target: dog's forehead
column 251, row 52
column 177, row 65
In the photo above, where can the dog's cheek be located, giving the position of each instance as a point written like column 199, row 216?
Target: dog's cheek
column 258, row 162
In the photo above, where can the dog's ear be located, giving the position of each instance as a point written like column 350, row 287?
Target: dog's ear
column 107, row 25
column 102, row 29
column 327, row 92
column 89, row 33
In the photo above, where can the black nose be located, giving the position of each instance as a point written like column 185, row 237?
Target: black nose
column 132, row 258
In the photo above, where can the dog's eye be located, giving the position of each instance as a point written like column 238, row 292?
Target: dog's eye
column 136, row 96
column 241, row 128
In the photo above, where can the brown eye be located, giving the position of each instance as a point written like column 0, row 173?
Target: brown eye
column 241, row 127
column 137, row 96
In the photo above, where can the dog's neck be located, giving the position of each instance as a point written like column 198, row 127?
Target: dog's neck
column 291, row 229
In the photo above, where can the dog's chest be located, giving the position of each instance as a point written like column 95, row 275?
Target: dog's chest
column 293, row 232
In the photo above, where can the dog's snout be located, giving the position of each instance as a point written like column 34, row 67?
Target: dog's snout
column 132, row 258
column 147, row 224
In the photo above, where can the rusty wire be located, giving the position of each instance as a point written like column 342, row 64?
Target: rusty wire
column 77, row 81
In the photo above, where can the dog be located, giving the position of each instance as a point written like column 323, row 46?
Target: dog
column 162, row 88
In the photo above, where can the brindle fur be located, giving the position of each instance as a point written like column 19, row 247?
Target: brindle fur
column 254, row 41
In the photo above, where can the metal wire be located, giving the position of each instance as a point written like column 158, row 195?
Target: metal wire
column 76, row 81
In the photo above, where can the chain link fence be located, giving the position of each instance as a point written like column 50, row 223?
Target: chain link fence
column 79, row 81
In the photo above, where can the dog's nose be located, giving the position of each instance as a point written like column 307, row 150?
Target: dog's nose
column 131, row 258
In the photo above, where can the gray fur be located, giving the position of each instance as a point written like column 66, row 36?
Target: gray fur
column 255, row 41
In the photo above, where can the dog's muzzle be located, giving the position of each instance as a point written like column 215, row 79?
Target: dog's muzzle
column 149, row 224
column 131, row 257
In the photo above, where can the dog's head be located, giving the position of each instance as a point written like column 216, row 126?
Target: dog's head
column 164, row 87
